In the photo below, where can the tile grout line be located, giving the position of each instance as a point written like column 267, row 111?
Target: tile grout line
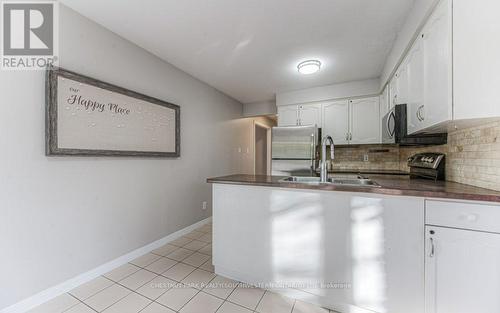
column 201, row 290
column 85, row 304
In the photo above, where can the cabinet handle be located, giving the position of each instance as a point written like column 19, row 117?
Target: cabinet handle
column 419, row 113
column 347, row 136
column 431, row 254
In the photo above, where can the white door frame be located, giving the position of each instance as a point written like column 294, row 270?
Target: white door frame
column 268, row 157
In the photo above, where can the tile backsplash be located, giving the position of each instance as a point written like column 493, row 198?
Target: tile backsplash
column 472, row 156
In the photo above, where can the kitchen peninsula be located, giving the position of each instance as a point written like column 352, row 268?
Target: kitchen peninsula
column 348, row 248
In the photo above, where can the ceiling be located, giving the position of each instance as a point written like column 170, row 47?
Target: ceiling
column 249, row 49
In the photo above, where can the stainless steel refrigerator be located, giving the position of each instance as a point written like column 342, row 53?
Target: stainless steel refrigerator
column 294, row 150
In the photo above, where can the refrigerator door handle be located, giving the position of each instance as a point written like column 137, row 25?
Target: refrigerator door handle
column 313, row 151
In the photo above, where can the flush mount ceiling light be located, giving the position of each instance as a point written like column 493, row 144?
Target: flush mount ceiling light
column 309, row 67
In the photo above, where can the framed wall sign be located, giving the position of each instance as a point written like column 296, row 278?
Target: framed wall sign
column 88, row 117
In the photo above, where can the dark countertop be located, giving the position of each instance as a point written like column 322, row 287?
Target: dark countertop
column 361, row 171
column 399, row 185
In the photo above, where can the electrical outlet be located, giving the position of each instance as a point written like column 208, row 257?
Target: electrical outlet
column 366, row 158
column 204, row 205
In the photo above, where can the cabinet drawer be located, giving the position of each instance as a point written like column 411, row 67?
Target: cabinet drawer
column 463, row 215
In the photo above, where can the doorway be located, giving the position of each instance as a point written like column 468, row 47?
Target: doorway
column 262, row 150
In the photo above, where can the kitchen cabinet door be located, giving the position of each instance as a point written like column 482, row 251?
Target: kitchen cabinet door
column 437, row 60
column 336, row 121
column 288, row 115
column 384, row 102
column 415, row 69
column 365, row 121
column 461, row 271
column 393, row 92
column 401, row 85
column 310, row 115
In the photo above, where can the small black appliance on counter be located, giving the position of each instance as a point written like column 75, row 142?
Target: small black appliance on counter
column 427, row 165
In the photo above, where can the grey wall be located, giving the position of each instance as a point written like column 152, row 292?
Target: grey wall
column 60, row 217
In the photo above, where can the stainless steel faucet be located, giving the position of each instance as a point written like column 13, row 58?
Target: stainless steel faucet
column 323, row 170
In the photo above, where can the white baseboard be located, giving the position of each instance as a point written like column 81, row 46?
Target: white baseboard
column 48, row 294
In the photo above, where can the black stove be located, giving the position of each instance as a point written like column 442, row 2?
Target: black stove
column 427, row 165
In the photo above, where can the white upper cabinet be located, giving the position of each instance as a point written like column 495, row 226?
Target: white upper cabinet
column 476, row 61
column 385, row 102
column 401, row 96
column 299, row 115
column 310, row 115
column 365, row 121
column 437, row 61
column 451, row 73
column 352, row 121
column 288, row 115
column 336, row 121
column 393, row 92
column 415, row 67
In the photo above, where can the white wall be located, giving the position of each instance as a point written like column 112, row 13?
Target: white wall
column 419, row 13
column 259, row 108
column 62, row 216
column 344, row 90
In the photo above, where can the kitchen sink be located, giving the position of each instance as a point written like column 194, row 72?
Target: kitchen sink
column 301, row 179
column 357, row 180
column 361, row 182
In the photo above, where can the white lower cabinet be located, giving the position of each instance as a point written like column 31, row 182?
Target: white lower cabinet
column 350, row 252
column 462, row 271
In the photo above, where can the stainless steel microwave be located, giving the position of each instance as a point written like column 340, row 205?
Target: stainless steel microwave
column 395, row 130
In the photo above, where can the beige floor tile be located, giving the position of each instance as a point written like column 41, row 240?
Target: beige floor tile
column 195, row 245
column 205, row 228
column 229, row 307
column 180, row 254
column 198, row 279
column 196, row 259
column 137, row 279
column 246, row 296
column 208, row 266
column 221, row 287
column 122, row 272
column 179, row 271
column 132, row 303
column 206, row 249
column 181, row 241
column 202, row 302
column 156, row 308
column 145, row 260
column 194, row 234
column 56, row 305
column 303, row 307
column 275, row 303
column 206, row 238
column 177, row 297
column 164, row 250
column 156, row 287
column 92, row 287
column 107, row 297
column 161, row 265
column 80, row 308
